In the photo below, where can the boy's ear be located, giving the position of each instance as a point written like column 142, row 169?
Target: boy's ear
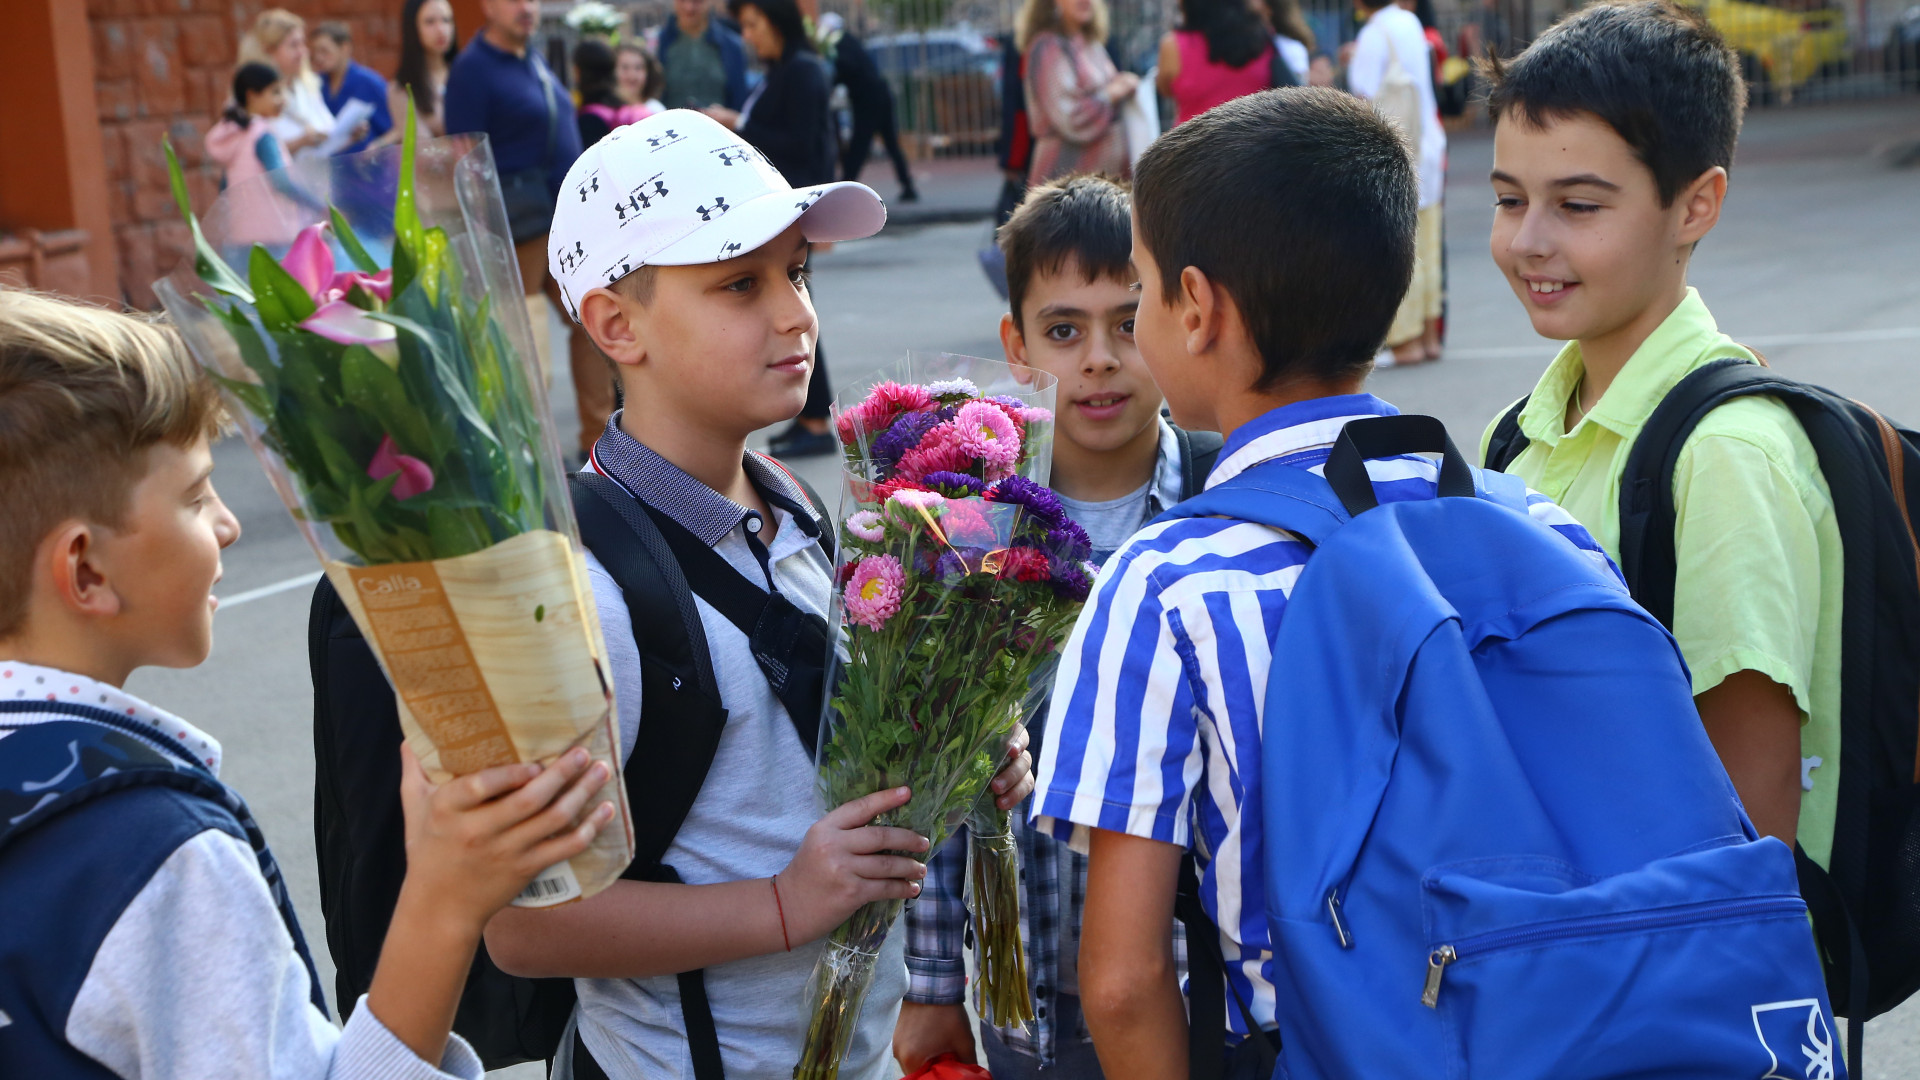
column 605, row 318
column 71, row 562
column 1701, row 203
column 1202, row 311
column 1014, row 344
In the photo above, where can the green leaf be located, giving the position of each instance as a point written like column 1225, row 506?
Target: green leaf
column 206, row 262
column 350, row 242
column 282, row 302
column 449, row 376
column 254, row 397
column 407, row 231
column 375, row 389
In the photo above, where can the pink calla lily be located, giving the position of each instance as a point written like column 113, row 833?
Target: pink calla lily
column 378, row 286
column 341, row 322
column 416, row 477
column 310, row 260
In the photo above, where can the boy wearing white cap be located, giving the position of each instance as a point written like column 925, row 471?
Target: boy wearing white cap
column 683, row 254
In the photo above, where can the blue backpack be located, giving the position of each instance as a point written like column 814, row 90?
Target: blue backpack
column 1497, row 840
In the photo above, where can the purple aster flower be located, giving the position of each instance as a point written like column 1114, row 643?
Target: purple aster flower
column 1070, row 581
column 1070, row 541
column 903, row 435
column 1040, row 502
column 955, row 485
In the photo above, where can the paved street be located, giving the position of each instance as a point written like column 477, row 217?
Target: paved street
column 1816, row 263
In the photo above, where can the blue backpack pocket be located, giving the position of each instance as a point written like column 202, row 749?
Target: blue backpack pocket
column 1674, row 969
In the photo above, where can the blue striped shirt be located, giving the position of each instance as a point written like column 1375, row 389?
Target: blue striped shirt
column 1154, row 729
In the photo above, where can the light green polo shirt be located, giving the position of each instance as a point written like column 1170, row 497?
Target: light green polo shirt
column 1757, row 549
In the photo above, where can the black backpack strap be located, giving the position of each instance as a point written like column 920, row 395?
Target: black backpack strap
column 681, row 718
column 1648, row 512
column 789, row 644
column 1507, row 441
column 1199, row 450
column 1207, row 988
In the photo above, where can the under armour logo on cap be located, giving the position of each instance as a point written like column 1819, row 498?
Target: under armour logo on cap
column 630, row 202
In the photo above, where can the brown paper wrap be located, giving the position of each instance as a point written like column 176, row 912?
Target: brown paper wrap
column 496, row 658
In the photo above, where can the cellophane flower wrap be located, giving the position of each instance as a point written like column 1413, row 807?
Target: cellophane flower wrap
column 959, row 574
column 378, row 359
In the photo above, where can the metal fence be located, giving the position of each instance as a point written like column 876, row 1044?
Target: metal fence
column 942, row 57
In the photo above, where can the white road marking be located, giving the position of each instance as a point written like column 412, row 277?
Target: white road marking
column 265, row 591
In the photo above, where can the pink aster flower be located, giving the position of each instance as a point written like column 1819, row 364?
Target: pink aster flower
column 1037, row 415
column 883, row 406
column 984, row 431
column 874, row 590
column 910, row 501
column 868, row 526
column 416, row 477
column 939, row 451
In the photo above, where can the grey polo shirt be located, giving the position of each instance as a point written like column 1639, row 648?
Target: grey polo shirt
column 758, row 801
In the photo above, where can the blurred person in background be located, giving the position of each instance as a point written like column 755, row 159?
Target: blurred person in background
column 279, row 37
column 1393, row 39
column 244, row 146
column 499, row 85
column 706, row 63
column 1074, row 92
column 638, row 77
column 1221, row 50
column 786, row 118
column 597, row 82
column 343, row 80
column 1295, row 40
column 869, row 97
column 427, row 51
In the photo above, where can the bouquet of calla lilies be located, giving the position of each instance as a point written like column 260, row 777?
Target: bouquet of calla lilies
column 401, row 417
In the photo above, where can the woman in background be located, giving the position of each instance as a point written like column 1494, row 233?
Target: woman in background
column 1073, row 90
column 279, row 38
column 1295, row 40
column 786, row 119
column 1221, row 51
column 427, row 48
column 638, row 76
column 595, row 79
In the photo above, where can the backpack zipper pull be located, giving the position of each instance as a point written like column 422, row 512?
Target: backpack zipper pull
column 1437, row 962
column 1339, row 921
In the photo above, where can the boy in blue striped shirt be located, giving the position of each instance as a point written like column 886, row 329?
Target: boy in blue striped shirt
column 1272, row 239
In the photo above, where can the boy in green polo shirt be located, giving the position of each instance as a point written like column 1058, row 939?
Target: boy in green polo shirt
column 1615, row 132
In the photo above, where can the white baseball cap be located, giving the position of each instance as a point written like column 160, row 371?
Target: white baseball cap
column 679, row 189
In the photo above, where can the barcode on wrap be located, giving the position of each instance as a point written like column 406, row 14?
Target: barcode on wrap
column 543, row 888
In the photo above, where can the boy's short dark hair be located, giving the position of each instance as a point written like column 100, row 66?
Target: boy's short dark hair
column 1300, row 204
column 1083, row 218
column 335, row 31
column 1657, row 73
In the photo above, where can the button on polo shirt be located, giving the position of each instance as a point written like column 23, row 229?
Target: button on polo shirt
column 1759, row 562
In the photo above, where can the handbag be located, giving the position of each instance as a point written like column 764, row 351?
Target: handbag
column 526, row 193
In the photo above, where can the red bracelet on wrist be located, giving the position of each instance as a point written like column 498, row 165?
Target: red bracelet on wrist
column 777, row 906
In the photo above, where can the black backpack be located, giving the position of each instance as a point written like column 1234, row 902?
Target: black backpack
column 358, row 825
column 1866, row 904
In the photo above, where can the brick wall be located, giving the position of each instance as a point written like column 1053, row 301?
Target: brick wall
column 164, row 68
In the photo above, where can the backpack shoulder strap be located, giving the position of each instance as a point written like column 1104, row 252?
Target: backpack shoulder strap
column 1648, row 513
column 681, row 717
column 1508, row 441
column 676, row 750
column 1199, row 451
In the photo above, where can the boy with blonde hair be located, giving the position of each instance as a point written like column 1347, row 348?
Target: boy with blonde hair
column 148, row 932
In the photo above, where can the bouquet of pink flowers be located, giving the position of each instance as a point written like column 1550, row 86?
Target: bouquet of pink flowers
column 960, row 573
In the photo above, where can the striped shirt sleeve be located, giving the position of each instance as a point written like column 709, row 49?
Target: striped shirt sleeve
column 1122, row 750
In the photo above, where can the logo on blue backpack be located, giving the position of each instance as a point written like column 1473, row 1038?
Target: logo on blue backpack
column 1797, row 1031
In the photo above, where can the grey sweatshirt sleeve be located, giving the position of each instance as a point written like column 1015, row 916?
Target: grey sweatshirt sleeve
column 199, row 980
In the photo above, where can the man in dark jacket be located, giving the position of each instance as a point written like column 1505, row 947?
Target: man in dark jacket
column 867, row 93
column 705, row 62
